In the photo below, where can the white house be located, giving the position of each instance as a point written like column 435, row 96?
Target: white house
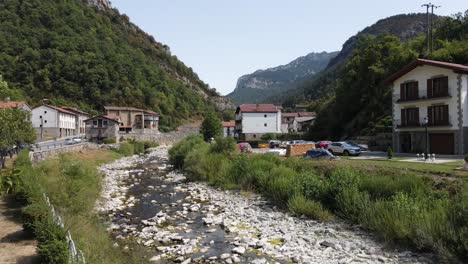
column 229, row 128
column 80, row 121
column 51, row 121
column 254, row 120
column 15, row 104
column 433, row 95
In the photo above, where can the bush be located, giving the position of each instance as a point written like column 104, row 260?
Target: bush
column 389, row 153
column 110, row 140
column 338, row 181
column 180, row 150
column 352, row 204
column 281, row 184
column 150, row 144
column 268, row 136
column 380, row 187
column 53, row 246
column 311, row 186
column 299, row 205
column 225, row 145
column 138, row 147
column 126, row 149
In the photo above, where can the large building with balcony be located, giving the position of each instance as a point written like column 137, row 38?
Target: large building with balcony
column 430, row 95
column 134, row 120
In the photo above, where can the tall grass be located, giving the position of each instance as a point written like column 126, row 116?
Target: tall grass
column 408, row 209
column 73, row 184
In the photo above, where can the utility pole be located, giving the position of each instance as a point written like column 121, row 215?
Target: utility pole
column 432, row 26
column 428, row 26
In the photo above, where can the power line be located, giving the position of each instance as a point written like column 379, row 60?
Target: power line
column 430, row 26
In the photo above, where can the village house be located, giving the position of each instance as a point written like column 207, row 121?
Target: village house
column 134, row 120
column 80, row 121
column 297, row 122
column 53, row 122
column 101, row 127
column 15, row 104
column 229, row 128
column 255, row 120
column 433, row 95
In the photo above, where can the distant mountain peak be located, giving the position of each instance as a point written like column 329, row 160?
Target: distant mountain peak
column 261, row 84
column 100, row 4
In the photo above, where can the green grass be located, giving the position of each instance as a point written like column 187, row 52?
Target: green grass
column 73, row 185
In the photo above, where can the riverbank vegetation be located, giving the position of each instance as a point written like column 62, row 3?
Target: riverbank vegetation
column 402, row 207
column 73, row 184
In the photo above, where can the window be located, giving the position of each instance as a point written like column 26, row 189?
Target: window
column 104, row 122
column 438, row 115
column 45, row 121
column 95, row 123
column 410, row 117
column 265, row 116
column 437, row 87
column 254, row 136
column 409, row 91
column 265, row 124
column 45, row 112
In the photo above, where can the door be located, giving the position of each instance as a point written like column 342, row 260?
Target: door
column 405, row 140
column 442, row 143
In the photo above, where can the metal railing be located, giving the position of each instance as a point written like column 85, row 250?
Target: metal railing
column 422, row 95
column 398, row 123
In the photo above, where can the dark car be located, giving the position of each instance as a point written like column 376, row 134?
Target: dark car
column 321, row 154
column 274, row 144
column 363, row 147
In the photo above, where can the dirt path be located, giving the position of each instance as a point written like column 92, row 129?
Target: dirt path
column 16, row 245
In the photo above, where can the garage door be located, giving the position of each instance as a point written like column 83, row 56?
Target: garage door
column 442, row 144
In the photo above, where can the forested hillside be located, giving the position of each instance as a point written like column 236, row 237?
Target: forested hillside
column 361, row 102
column 85, row 56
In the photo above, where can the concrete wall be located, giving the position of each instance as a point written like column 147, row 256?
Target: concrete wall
column 45, row 154
column 257, row 123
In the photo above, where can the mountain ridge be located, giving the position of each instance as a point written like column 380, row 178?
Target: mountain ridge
column 257, row 86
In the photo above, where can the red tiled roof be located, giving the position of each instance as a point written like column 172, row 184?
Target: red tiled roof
column 74, row 110
column 61, row 109
column 125, row 108
column 457, row 68
column 289, row 114
column 259, row 108
column 11, row 104
column 231, row 123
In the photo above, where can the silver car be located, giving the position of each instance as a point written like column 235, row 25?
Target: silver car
column 344, row 149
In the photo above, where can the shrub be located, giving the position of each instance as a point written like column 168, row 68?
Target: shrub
column 389, row 153
column 299, row 205
column 225, row 145
column 110, row 140
column 352, row 203
column 53, row 246
column 126, row 149
column 466, row 158
column 281, row 184
column 139, row 147
column 180, row 150
column 268, row 136
column 150, row 144
column 311, row 186
column 380, row 187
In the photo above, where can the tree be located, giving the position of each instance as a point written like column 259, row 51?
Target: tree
column 211, row 126
column 15, row 129
column 6, row 92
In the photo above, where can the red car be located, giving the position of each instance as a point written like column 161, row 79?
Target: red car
column 323, row 144
column 244, row 147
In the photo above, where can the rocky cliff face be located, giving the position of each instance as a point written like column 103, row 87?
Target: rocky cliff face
column 258, row 86
column 100, row 4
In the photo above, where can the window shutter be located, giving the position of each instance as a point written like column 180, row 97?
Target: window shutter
column 417, row 117
column 429, row 115
column 445, row 84
column 416, row 84
column 429, row 88
column 402, row 92
column 403, row 117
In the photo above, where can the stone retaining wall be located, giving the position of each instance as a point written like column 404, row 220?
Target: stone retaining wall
column 298, row 149
column 44, row 154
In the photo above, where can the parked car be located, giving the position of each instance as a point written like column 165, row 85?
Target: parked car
column 363, row 147
column 284, row 144
column 244, row 147
column 274, row 143
column 323, row 144
column 69, row 141
column 320, row 154
column 299, row 141
column 344, row 148
column 77, row 140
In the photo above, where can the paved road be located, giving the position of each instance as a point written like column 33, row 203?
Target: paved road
column 51, row 144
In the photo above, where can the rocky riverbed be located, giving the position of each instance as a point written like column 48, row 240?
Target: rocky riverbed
column 148, row 204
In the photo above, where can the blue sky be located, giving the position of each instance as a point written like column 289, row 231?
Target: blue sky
column 223, row 40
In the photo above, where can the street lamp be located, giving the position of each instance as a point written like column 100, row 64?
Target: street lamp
column 425, row 122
